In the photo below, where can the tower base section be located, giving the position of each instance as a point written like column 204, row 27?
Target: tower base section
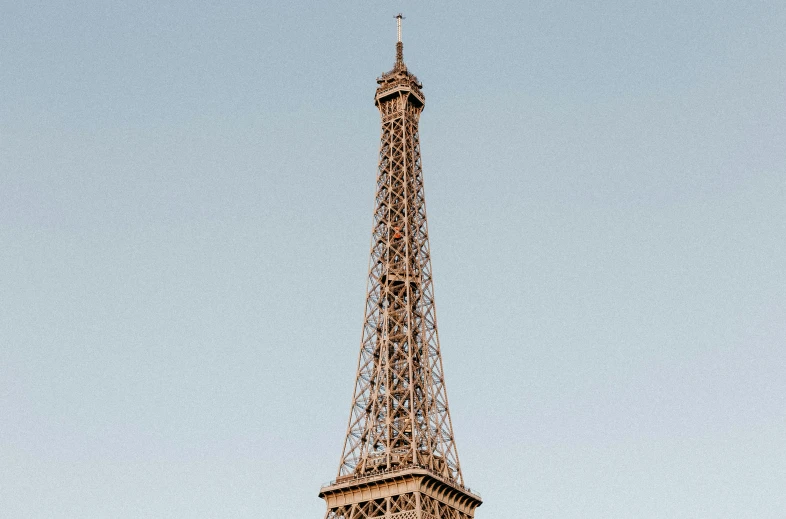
column 413, row 493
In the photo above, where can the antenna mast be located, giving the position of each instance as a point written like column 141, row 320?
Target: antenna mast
column 399, row 45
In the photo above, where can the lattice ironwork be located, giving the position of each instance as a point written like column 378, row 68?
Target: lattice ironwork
column 403, row 506
column 399, row 415
column 399, row 419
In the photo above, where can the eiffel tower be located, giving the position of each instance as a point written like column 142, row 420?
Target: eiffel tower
column 400, row 459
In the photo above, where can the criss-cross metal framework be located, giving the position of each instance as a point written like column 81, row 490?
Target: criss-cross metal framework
column 399, row 424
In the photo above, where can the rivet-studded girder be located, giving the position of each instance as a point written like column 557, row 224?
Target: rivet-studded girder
column 399, row 416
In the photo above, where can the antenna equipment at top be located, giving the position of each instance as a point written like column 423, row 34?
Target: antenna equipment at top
column 399, row 17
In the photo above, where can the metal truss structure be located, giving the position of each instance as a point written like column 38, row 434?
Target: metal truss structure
column 400, row 459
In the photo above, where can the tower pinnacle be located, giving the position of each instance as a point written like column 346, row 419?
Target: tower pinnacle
column 399, row 44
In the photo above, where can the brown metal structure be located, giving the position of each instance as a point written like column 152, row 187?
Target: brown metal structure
column 400, row 459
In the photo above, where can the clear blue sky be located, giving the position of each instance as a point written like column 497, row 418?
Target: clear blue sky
column 186, row 193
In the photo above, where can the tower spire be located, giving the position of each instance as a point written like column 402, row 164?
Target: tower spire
column 399, row 44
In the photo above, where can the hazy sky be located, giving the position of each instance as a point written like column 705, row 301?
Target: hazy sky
column 186, row 196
